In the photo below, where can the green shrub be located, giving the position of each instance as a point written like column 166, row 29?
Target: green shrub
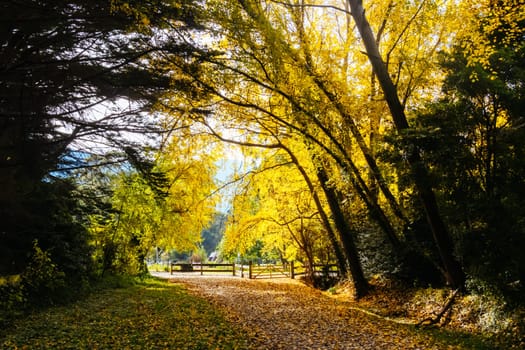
column 42, row 280
column 12, row 298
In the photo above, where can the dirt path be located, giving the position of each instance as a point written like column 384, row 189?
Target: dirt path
column 285, row 314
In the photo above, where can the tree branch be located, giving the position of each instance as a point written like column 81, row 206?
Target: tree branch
column 446, row 309
column 312, row 6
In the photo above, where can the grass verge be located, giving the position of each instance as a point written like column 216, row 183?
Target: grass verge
column 147, row 314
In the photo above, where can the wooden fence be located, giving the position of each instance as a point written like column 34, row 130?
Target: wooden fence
column 331, row 270
column 253, row 271
column 202, row 267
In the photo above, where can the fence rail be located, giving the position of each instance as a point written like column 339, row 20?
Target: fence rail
column 318, row 270
column 202, row 267
column 253, row 271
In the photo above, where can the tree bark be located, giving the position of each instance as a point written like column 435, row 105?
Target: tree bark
column 345, row 233
column 341, row 261
column 454, row 273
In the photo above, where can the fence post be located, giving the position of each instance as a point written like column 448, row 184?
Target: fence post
column 292, row 270
column 250, row 269
column 242, row 270
column 233, row 268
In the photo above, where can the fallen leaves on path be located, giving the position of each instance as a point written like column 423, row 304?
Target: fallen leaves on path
column 218, row 313
column 289, row 315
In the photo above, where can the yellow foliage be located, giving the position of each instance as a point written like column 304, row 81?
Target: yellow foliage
column 476, row 19
column 276, row 209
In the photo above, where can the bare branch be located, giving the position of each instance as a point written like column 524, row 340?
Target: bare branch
column 313, row 6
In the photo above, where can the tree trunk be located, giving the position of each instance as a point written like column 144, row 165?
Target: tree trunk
column 345, row 233
column 341, row 261
column 454, row 273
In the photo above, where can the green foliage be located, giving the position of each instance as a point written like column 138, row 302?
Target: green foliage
column 69, row 67
column 40, row 284
column 159, row 268
column 473, row 138
column 113, row 281
column 53, row 214
column 259, row 254
column 164, row 201
column 13, row 298
column 42, row 279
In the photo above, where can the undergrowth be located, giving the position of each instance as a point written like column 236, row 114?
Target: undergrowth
column 486, row 315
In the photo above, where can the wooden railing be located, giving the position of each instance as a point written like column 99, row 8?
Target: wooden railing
column 290, row 270
column 318, row 269
column 252, row 271
column 270, row 271
column 202, row 267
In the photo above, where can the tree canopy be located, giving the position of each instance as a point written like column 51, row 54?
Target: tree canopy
column 384, row 137
column 78, row 82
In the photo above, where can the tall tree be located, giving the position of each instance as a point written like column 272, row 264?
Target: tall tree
column 453, row 270
column 76, row 80
column 285, row 68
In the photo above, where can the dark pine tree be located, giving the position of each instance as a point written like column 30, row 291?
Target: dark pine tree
column 74, row 75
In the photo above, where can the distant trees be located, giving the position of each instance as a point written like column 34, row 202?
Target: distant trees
column 212, row 235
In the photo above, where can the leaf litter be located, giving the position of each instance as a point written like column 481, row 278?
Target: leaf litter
column 286, row 314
